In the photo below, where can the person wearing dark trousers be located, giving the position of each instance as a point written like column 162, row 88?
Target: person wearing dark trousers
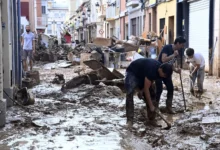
column 140, row 75
column 169, row 55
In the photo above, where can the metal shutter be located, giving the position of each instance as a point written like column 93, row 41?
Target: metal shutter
column 199, row 28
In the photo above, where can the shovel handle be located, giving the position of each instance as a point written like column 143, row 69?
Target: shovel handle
column 161, row 116
column 183, row 91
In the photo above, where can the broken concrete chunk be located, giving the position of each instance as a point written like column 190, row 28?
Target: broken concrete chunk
column 211, row 120
column 193, row 129
column 46, row 122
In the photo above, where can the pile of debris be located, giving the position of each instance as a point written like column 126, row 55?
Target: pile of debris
column 48, row 49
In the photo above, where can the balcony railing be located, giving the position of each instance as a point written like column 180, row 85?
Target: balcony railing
column 110, row 13
column 102, row 12
column 132, row 3
column 42, row 22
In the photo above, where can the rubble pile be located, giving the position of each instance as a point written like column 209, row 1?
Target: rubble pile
column 50, row 50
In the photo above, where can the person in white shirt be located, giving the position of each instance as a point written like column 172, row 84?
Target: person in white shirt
column 197, row 69
column 28, row 44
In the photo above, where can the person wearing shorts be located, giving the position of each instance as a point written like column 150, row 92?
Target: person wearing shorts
column 28, row 45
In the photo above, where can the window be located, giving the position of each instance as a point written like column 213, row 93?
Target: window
column 43, row 9
column 162, row 24
column 63, row 15
column 133, row 26
column 49, row 29
column 58, row 27
column 118, row 3
column 56, row 15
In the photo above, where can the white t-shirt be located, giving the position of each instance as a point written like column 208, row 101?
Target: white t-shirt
column 197, row 59
column 28, row 40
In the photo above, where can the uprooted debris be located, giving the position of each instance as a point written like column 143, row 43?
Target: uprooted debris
column 59, row 79
column 100, row 74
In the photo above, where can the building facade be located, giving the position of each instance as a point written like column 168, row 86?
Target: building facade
column 122, row 18
column 56, row 12
column 27, row 14
column 166, row 20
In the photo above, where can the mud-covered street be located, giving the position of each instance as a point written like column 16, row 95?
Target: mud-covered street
column 93, row 117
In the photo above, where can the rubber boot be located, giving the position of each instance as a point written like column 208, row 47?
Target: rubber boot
column 152, row 115
column 129, row 110
column 169, row 109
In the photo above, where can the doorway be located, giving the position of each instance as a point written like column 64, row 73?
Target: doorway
column 126, row 31
column 171, row 29
column 133, row 26
column 162, row 24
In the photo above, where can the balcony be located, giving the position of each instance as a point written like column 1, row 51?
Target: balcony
column 110, row 13
column 132, row 3
column 85, row 1
column 42, row 22
column 102, row 12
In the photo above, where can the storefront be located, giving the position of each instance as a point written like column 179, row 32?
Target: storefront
column 200, row 35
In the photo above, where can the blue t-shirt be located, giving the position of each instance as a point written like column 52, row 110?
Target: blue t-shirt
column 167, row 49
column 144, row 67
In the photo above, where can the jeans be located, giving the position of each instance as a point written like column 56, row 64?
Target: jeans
column 159, row 89
column 131, row 83
column 200, row 75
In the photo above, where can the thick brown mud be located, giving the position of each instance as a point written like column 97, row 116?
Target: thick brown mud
column 93, row 117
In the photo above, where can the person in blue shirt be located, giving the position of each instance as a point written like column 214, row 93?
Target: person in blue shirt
column 169, row 55
column 140, row 75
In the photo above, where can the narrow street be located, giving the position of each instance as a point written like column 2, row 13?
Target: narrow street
column 70, row 70
column 93, row 117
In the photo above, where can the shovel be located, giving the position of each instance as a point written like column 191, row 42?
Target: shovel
column 162, row 117
column 183, row 91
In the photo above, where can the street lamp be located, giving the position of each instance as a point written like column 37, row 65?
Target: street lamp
column 97, row 4
column 88, row 12
column 83, row 15
column 114, row 4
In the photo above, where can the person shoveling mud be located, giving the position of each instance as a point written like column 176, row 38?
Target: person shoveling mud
column 197, row 69
column 169, row 55
column 140, row 74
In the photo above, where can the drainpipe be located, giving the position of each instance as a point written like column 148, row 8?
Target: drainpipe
column 19, row 43
column 35, row 13
column 129, row 22
column 12, row 42
column 119, row 21
column 2, row 101
column 15, row 41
